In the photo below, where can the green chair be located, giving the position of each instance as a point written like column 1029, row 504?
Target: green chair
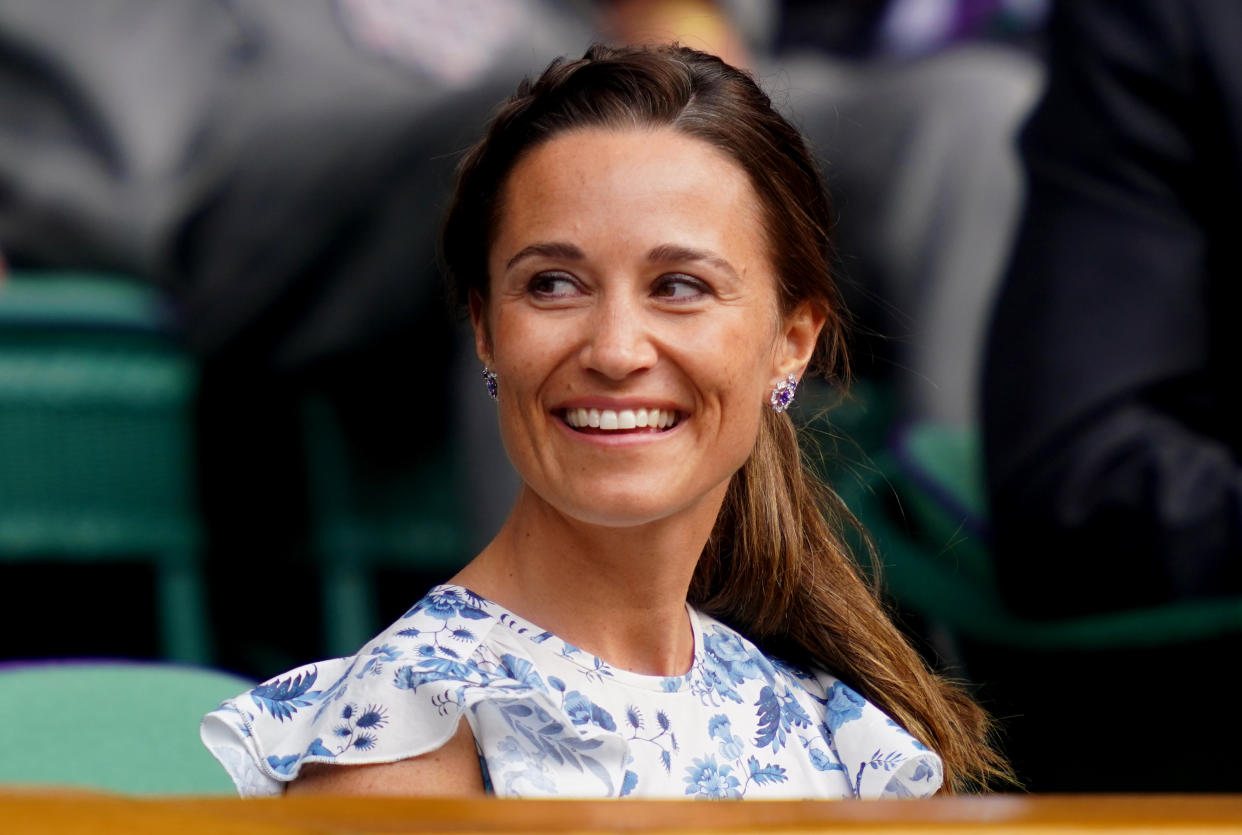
column 364, row 521
column 96, row 444
column 122, row 727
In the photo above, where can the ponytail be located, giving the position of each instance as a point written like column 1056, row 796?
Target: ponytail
column 775, row 569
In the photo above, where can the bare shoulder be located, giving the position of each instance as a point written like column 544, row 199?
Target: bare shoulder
column 451, row 770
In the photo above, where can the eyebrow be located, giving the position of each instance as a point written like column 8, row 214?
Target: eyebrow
column 550, row 249
column 662, row 254
column 673, row 253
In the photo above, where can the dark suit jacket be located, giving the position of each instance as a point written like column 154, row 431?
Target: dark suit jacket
column 1112, row 414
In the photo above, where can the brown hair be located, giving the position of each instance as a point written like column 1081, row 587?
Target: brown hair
column 774, row 566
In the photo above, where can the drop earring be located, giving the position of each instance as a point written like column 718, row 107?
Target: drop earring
column 489, row 380
column 783, row 394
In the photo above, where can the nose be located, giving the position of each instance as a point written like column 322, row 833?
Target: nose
column 620, row 342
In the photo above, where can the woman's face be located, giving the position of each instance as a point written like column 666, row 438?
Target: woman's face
column 633, row 323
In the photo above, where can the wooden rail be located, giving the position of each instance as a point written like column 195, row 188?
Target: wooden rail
column 53, row 811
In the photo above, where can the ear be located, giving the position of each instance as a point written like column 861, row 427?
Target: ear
column 799, row 336
column 482, row 333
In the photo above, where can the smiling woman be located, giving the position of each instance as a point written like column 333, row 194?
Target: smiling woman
column 629, row 275
column 641, row 243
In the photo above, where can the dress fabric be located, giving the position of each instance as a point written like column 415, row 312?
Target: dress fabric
column 552, row 720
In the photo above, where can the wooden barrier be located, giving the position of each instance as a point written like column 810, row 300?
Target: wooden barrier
column 52, row 811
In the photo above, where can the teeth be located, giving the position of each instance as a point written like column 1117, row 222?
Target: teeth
column 610, row 420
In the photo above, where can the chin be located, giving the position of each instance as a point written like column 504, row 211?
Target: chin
column 628, row 509
column 613, row 512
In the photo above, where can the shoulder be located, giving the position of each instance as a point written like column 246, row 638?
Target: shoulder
column 880, row 756
column 872, row 751
column 726, row 651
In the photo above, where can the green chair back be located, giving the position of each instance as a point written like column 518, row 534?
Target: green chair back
column 122, row 727
column 364, row 521
column 96, row 444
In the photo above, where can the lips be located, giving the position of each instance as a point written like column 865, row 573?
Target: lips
column 620, row 420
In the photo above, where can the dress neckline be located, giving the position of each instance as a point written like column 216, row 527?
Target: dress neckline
column 551, row 646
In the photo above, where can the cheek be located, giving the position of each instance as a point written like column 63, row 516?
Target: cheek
column 515, row 342
column 740, row 396
column 528, row 352
column 747, row 357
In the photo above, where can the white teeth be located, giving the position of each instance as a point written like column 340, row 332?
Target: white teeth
column 610, row 420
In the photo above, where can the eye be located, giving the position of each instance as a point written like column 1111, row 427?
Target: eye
column 553, row 285
column 679, row 287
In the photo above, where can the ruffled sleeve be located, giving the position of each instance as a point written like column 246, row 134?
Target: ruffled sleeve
column 338, row 711
column 401, row 696
column 452, row 656
column 881, row 759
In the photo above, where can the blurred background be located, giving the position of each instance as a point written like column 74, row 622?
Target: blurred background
column 241, row 429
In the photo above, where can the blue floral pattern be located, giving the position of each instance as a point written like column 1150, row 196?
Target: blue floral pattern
column 552, row 720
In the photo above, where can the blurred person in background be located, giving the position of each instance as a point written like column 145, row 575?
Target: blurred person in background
column 1112, row 412
column 279, row 169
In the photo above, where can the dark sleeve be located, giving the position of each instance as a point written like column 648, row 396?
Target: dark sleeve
column 1110, row 416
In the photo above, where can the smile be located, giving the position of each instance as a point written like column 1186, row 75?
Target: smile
column 608, row 420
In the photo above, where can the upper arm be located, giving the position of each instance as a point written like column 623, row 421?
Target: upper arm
column 451, row 770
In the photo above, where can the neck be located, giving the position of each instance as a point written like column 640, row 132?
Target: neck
column 618, row 593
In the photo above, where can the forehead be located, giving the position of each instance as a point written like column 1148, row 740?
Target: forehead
column 677, row 156
column 632, row 186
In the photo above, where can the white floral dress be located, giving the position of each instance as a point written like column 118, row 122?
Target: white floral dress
column 552, row 720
